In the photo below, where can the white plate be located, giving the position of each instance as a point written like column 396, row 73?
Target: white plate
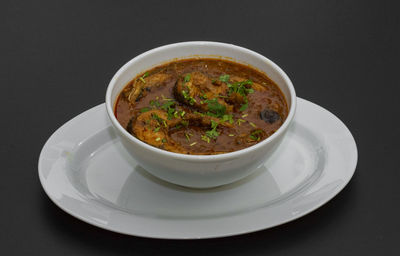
column 86, row 172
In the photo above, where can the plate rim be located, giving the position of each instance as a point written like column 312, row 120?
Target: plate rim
column 329, row 197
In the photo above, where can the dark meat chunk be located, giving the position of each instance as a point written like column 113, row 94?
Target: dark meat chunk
column 269, row 116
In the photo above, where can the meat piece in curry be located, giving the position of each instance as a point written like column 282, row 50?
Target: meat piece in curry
column 201, row 106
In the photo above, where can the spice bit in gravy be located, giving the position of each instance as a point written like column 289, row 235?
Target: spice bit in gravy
column 201, row 106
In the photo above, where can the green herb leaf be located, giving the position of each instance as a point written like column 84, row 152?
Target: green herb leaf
column 213, row 134
column 227, row 118
column 187, row 78
column 256, row 135
column 142, row 110
column 252, row 124
column 224, row 78
column 157, row 118
column 155, row 103
column 215, row 108
column 170, row 113
column 244, row 106
column 251, row 90
column 214, row 124
column 205, row 138
column 187, row 137
column 167, row 105
column 186, row 96
column 239, row 121
column 240, row 87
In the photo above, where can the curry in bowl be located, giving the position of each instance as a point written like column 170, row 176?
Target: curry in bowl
column 201, row 106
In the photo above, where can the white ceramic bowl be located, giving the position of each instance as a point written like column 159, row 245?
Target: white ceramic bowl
column 199, row 171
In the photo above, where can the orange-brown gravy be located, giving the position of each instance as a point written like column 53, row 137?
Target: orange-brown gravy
column 201, row 106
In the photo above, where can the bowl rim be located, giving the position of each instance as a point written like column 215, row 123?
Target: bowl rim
column 218, row 157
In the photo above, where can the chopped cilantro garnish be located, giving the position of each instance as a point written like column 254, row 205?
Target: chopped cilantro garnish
column 213, row 134
column 187, row 78
column 170, row 113
column 244, row 106
column 145, row 75
column 205, row 138
column 256, row 135
column 239, row 121
column 215, row 108
column 224, row 78
column 240, row 87
column 167, row 104
column 155, row 103
column 163, row 140
column 192, row 101
column 157, row 129
column 214, row 124
column 227, row 118
column 253, row 137
column 142, row 110
column 157, row 118
column 186, row 96
column 252, row 124
column 257, row 132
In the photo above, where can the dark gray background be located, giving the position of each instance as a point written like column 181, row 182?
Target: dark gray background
column 57, row 58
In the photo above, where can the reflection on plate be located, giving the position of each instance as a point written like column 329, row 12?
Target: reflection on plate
column 85, row 171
